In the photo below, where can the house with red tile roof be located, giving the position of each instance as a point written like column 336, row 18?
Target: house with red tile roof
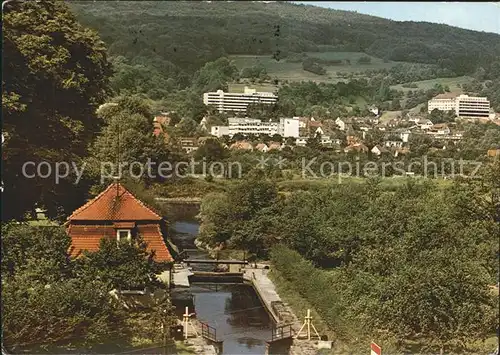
column 117, row 214
column 241, row 145
column 262, row 147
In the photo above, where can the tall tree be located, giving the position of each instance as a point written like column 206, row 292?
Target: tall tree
column 128, row 138
column 55, row 76
column 43, row 304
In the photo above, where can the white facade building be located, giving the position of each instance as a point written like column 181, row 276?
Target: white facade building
column 289, row 127
column 238, row 102
column 473, row 106
column 340, row 123
column 219, row 131
column 286, row 127
column 463, row 105
column 443, row 102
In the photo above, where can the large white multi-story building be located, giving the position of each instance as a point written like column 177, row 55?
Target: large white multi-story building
column 286, row 127
column 463, row 105
column 238, row 102
column 473, row 106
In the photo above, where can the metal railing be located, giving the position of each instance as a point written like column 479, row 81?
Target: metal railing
column 282, row 332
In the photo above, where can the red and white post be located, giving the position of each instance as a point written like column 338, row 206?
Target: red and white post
column 375, row 349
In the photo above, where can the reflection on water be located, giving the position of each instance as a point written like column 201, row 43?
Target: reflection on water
column 236, row 313
column 234, row 310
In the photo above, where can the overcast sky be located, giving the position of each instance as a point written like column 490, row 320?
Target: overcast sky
column 479, row 16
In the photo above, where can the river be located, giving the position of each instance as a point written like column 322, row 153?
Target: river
column 234, row 310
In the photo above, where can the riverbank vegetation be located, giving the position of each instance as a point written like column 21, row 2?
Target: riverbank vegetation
column 51, row 303
column 413, row 263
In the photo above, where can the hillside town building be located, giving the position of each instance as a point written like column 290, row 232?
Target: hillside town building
column 238, row 102
column 462, row 105
column 286, row 127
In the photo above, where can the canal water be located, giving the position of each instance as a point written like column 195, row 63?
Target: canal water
column 234, row 310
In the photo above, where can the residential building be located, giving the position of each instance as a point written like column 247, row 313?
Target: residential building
column 159, row 122
column 493, row 153
column 275, row 146
column 238, row 102
column 163, row 119
column 301, row 141
column 220, row 131
column 374, row 110
column 379, row 150
column 393, row 144
column 405, row 136
column 324, row 140
column 329, row 141
column 424, row 124
column 401, row 151
column 203, row 123
column 262, row 147
column 118, row 215
column 319, row 131
column 442, row 102
column 351, row 138
column 241, row 145
column 188, row 144
column 439, row 129
column 341, row 124
column 462, row 105
column 357, row 147
column 472, row 106
column 286, row 127
column 303, row 121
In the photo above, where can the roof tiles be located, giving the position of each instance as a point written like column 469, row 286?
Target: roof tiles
column 114, row 204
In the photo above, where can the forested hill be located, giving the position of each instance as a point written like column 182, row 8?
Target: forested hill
column 179, row 37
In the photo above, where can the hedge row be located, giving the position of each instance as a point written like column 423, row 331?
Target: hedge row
column 318, row 287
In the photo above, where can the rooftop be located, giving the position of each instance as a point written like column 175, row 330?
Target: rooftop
column 115, row 203
column 447, row 95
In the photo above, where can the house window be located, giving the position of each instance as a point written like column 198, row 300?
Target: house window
column 123, row 234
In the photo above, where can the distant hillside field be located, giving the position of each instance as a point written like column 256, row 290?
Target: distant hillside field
column 238, row 87
column 284, row 70
column 428, row 84
column 177, row 37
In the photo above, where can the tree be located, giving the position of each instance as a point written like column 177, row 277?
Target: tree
column 395, row 105
column 277, row 138
column 123, row 265
column 56, row 74
column 211, row 150
column 214, row 76
column 186, row 127
column 437, row 116
column 127, row 138
column 364, row 60
column 314, row 142
column 44, row 304
column 313, row 66
column 42, row 244
column 233, row 216
column 69, row 311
